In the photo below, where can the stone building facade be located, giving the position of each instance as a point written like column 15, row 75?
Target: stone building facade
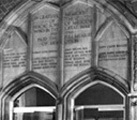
column 68, row 59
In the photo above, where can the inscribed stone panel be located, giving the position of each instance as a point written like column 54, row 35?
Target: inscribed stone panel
column 113, row 50
column 77, row 27
column 14, row 57
column 45, row 24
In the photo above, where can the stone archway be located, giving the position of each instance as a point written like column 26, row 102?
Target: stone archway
column 18, row 86
column 89, row 79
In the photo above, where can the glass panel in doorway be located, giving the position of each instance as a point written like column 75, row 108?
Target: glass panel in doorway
column 107, row 113
column 34, row 104
column 99, row 102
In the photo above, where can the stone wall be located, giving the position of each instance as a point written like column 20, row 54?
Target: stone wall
column 7, row 6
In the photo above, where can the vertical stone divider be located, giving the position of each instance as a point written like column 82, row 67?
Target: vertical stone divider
column 131, row 58
column 130, row 43
column 131, row 77
column 59, row 104
column 93, row 33
column 61, row 48
column 29, row 48
column 134, row 79
column 1, row 80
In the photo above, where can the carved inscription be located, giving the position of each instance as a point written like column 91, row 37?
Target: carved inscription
column 77, row 26
column 78, row 19
column 40, row 63
column 113, row 52
column 77, row 57
column 14, row 58
column 45, row 41
column 107, row 55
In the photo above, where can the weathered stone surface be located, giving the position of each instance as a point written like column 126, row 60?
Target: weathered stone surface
column 113, row 51
column 77, row 27
column 45, row 39
column 14, row 57
column 7, row 6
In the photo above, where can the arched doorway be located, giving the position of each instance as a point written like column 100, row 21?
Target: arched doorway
column 96, row 96
column 29, row 97
column 100, row 101
column 34, row 103
column 65, row 73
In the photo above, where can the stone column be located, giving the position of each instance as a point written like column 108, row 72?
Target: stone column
column 133, row 107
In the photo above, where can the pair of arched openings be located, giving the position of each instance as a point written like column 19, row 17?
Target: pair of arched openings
column 94, row 95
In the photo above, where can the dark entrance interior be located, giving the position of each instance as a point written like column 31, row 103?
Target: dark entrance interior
column 99, row 102
column 34, row 104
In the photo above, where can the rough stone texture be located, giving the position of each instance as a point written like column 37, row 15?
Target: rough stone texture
column 8, row 5
column 127, row 8
column 131, row 4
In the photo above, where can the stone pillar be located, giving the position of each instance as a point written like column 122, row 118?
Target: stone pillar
column 58, row 115
column 133, row 107
column 134, row 84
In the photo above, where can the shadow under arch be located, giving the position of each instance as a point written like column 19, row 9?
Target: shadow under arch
column 94, row 73
column 88, row 78
column 21, row 84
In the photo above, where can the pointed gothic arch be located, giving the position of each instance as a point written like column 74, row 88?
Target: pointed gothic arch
column 88, row 76
column 20, row 85
column 91, row 77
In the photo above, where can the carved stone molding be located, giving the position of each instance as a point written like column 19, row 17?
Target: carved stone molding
column 135, row 63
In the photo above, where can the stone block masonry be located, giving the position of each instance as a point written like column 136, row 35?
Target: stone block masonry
column 7, row 6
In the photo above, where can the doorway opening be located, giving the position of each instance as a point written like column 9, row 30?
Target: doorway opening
column 100, row 101
column 34, row 104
